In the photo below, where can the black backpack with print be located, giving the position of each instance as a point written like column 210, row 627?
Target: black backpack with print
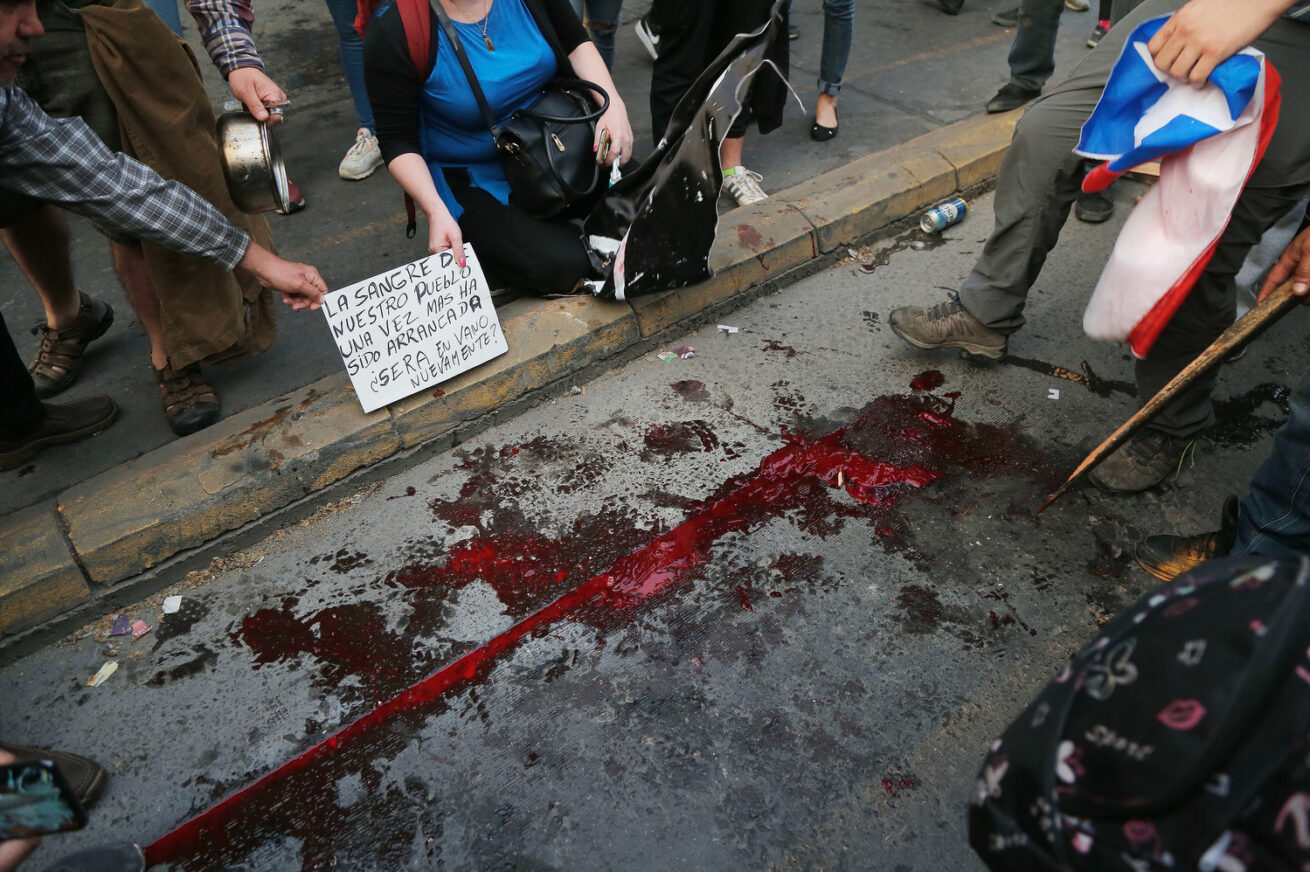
column 1176, row 740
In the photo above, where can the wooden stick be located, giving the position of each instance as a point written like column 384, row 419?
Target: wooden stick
column 1244, row 329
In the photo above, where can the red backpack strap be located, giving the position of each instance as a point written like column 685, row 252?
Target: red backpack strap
column 417, row 21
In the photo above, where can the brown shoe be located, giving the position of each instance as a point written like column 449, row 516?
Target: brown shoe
column 947, row 325
column 1167, row 557
column 1145, row 461
column 60, row 357
column 85, row 776
column 190, row 404
column 61, row 423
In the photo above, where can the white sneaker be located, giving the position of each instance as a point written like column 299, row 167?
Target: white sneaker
column 649, row 37
column 744, row 186
column 363, row 158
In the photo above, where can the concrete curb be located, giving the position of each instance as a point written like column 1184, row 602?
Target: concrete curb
column 90, row 542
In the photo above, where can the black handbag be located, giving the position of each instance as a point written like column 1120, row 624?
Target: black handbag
column 545, row 149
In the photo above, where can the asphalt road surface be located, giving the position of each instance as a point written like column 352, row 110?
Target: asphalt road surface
column 763, row 607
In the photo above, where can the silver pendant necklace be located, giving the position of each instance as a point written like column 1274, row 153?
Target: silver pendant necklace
column 482, row 25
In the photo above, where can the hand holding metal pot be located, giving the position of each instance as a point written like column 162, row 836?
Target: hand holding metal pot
column 252, row 164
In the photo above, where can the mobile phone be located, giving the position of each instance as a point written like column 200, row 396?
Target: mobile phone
column 36, row 800
column 603, row 151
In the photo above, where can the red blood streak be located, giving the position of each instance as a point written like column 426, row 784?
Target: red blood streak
column 632, row 580
column 928, row 381
column 784, row 485
column 745, row 599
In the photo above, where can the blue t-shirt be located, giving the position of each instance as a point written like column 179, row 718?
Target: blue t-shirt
column 451, row 126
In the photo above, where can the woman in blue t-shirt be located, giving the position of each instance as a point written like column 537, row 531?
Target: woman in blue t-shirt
column 437, row 145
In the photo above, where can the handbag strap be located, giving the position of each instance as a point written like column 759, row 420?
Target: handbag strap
column 448, row 26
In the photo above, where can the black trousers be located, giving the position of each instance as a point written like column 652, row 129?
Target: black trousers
column 533, row 255
column 20, row 410
column 692, row 33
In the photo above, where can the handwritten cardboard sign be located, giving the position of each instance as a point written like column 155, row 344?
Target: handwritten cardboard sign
column 414, row 327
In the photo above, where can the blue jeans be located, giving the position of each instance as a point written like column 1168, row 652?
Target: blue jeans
column 602, row 25
column 1274, row 517
column 838, row 25
column 1032, row 55
column 167, row 10
column 352, row 58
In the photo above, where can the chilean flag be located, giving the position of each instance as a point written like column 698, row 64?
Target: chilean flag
column 1208, row 140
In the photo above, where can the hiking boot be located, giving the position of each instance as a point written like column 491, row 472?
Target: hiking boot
column 85, row 776
column 744, row 186
column 947, row 325
column 648, row 36
column 190, row 404
column 61, row 423
column 1167, row 557
column 363, row 158
column 1011, row 96
column 60, row 358
column 1094, row 207
column 1006, row 18
column 1147, row 460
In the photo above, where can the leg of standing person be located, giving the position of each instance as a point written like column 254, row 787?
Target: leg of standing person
column 1274, row 516
column 364, row 157
column 684, row 28
column 167, row 10
column 603, row 18
column 1032, row 54
column 39, row 244
column 838, row 27
column 28, row 425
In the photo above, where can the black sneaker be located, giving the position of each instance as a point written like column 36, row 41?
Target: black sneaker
column 1167, row 557
column 1093, row 208
column 1101, row 29
column 62, row 423
column 947, row 325
column 649, row 36
column 1144, row 462
column 1011, row 96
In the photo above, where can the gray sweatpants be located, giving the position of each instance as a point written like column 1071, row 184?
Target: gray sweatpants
column 1040, row 179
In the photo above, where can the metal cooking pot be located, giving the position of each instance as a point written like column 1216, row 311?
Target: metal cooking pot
column 252, row 164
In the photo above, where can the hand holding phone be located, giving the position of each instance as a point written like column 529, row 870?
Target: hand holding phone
column 603, row 151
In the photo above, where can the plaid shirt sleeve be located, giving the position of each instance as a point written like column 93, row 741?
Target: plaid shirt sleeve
column 225, row 30
column 62, row 161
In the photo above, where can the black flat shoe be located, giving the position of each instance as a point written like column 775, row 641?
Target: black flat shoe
column 819, row 133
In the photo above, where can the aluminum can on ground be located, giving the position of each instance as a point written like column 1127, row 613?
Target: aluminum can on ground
column 943, row 215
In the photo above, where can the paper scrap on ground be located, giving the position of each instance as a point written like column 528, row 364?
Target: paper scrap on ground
column 172, row 604
column 666, row 356
column 1053, row 394
column 139, row 629
column 122, row 626
column 724, row 328
column 105, row 671
column 413, row 327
